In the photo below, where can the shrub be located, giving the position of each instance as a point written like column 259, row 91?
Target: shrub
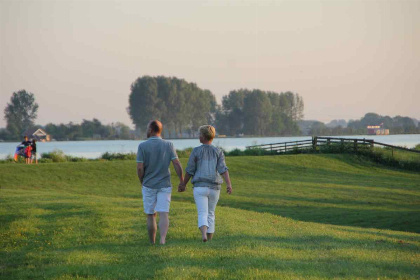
column 118, row 156
column 235, row 152
column 45, row 160
column 55, row 156
column 184, row 153
column 256, row 152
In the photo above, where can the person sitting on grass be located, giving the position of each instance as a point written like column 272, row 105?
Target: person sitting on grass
column 205, row 166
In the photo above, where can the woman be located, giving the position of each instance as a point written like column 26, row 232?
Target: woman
column 205, row 166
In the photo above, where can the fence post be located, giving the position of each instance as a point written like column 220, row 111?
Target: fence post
column 314, row 143
column 285, row 144
column 355, row 145
column 392, row 152
column 271, row 148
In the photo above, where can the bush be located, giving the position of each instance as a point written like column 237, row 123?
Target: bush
column 76, row 159
column 45, row 160
column 55, row 156
column 417, row 147
column 118, row 156
column 235, row 152
column 184, row 153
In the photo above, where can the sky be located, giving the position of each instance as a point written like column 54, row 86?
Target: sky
column 79, row 58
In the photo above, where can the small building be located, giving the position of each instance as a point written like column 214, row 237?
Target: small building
column 377, row 130
column 38, row 134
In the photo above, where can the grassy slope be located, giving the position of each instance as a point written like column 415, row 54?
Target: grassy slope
column 325, row 216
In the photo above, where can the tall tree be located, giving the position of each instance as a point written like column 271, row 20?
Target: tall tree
column 143, row 101
column 257, row 113
column 20, row 113
column 180, row 105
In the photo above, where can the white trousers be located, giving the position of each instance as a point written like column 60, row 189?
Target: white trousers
column 206, row 200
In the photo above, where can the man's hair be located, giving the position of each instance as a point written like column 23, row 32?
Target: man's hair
column 207, row 131
column 155, row 126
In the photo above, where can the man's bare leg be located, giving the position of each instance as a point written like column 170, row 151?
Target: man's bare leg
column 152, row 227
column 209, row 236
column 163, row 226
column 203, row 230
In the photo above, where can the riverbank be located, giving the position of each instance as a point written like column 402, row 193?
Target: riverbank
column 94, row 149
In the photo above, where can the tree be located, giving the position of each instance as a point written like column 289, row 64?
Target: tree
column 20, row 113
column 181, row 106
column 143, row 101
column 257, row 113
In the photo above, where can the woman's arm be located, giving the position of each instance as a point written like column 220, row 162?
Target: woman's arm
column 186, row 179
column 228, row 183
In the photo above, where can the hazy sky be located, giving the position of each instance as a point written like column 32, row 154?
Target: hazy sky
column 79, row 58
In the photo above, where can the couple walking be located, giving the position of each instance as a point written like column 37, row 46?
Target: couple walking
column 206, row 166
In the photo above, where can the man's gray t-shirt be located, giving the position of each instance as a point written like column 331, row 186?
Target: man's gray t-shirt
column 156, row 154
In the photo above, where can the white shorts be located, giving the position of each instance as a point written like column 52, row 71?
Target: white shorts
column 156, row 200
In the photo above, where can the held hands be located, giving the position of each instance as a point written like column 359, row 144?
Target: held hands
column 229, row 189
column 182, row 187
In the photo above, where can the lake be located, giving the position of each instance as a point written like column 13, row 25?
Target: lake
column 94, row 149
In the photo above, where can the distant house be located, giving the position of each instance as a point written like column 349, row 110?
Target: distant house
column 38, row 134
column 377, row 130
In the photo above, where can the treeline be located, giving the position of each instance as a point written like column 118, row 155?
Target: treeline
column 183, row 107
column 93, row 129
column 262, row 113
column 396, row 125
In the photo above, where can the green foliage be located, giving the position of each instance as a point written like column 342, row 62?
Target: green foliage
column 88, row 130
column 417, row 147
column 290, row 217
column 397, row 158
column 181, row 106
column 248, row 152
column 184, row 153
column 59, row 156
column 20, row 113
column 55, row 156
column 118, row 156
column 260, row 113
column 396, row 125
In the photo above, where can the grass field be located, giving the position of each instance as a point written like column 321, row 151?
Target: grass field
column 290, row 217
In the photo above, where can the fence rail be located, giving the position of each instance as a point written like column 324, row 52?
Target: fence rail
column 316, row 143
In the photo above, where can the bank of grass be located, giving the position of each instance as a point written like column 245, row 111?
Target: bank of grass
column 290, row 217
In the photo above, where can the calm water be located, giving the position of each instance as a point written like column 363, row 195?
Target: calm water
column 94, row 149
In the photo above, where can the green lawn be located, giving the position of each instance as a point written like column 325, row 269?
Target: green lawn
column 290, row 217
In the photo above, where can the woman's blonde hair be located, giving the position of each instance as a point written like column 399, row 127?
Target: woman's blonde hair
column 207, row 131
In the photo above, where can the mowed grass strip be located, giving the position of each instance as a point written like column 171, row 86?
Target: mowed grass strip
column 290, row 217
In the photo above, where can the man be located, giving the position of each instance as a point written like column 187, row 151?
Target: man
column 153, row 159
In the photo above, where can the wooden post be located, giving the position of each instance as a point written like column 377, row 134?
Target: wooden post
column 271, row 148
column 314, row 143
column 285, row 144
column 392, row 152
column 355, row 145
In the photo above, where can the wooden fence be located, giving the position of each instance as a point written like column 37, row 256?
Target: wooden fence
column 318, row 143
